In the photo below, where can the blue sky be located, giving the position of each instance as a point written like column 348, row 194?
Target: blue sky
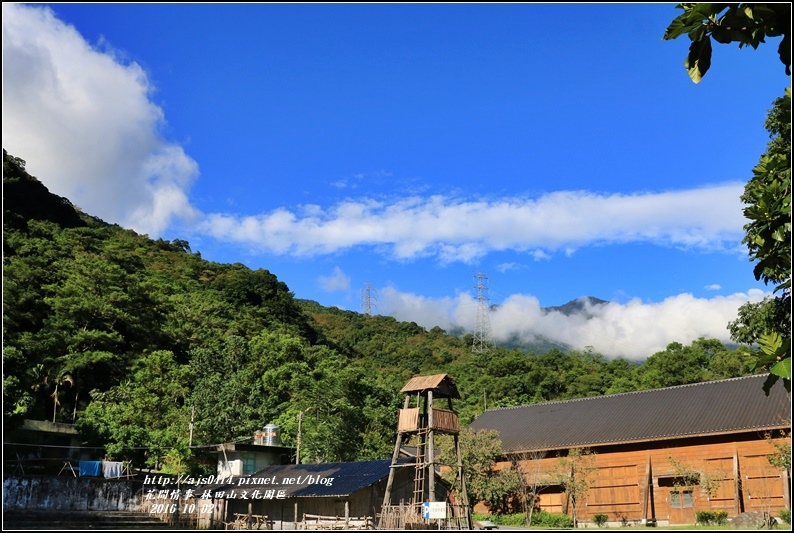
column 561, row 150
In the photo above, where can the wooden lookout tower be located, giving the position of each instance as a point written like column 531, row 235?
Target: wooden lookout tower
column 420, row 417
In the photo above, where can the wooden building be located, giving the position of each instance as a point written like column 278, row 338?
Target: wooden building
column 306, row 496
column 644, row 441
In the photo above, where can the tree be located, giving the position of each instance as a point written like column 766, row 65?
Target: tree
column 768, row 193
column 687, row 477
column 145, row 418
column 781, row 457
column 768, row 238
column 480, row 451
column 747, row 24
column 676, row 365
column 529, row 465
column 574, row 473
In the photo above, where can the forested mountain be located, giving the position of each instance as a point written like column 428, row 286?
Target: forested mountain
column 126, row 336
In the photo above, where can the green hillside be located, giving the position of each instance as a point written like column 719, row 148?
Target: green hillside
column 126, row 336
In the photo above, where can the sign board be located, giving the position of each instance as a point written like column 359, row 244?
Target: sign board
column 434, row 510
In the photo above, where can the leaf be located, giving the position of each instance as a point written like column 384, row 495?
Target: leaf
column 782, row 233
column 721, row 35
column 782, row 368
column 699, row 59
column 763, row 361
column 784, row 51
column 678, row 27
column 771, row 343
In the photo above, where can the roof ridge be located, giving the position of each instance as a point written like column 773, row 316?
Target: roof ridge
column 645, row 391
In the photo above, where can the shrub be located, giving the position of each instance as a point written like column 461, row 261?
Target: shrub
column 510, row 519
column 539, row 519
column 600, row 519
column 553, row 520
column 501, row 519
column 785, row 515
column 706, row 518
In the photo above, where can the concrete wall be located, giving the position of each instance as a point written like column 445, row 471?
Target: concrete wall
column 70, row 493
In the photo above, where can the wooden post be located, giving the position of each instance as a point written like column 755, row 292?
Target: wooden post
column 347, row 513
column 737, row 494
column 394, row 457
column 647, row 496
column 431, row 466
column 464, row 496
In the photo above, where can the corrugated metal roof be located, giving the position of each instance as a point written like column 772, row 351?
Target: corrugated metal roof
column 709, row 408
column 310, row 480
column 442, row 384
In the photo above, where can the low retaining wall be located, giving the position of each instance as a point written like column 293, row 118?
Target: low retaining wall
column 70, row 494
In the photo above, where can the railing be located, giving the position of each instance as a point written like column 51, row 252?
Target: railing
column 317, row 522
column 409, row 419
column 409, row 516
column 444, row 420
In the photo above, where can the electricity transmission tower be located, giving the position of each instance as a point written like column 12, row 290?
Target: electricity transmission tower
column 369, row 299
column 483, row 339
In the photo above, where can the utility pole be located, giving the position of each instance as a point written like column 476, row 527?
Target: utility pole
column 192, row 416
column 298, row 450
column 369, row 299
column 483, row 338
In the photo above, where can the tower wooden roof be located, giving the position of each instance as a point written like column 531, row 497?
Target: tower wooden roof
column 442, row 385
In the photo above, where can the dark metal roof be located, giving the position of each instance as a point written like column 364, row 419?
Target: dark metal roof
column 442, row 385
column 709, row 408
column 306, row 480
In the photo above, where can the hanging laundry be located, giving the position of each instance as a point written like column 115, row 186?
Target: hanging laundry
column 112, row 468
column 90, row 468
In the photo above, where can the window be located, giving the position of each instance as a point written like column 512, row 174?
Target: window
column 677, row 502
column 249, row 464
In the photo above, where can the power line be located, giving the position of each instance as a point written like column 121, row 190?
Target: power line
column 81, row 447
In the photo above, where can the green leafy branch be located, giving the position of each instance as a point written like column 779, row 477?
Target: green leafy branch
column 747, row 24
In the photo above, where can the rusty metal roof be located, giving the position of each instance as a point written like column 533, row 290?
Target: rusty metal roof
column 709, row 408
column 442, row 385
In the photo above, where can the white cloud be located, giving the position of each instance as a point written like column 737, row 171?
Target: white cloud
column 633, row 330
column 455, row 230
column 425, row 311
column 85, row 121
column 337, row 281
column 713, row 287
column 506, row 267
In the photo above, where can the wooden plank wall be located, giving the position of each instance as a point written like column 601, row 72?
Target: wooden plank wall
column 622, row 489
